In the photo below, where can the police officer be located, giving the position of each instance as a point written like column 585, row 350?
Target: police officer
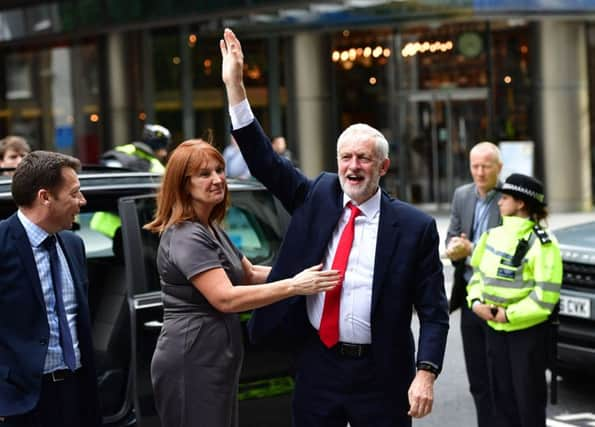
column 146, row 156
column 514, row 288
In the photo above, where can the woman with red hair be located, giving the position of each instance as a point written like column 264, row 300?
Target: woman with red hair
column 196, row 366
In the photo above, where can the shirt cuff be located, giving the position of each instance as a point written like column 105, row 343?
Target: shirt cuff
column 241, row 114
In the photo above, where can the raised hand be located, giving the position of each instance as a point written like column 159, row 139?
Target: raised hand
column 232, row 66
column 313, row 280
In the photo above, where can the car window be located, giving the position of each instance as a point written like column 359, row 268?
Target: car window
column 252, row 223
column 97, row 244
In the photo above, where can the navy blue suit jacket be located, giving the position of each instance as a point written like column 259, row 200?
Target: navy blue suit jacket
column 407, row 270
column 24, row 329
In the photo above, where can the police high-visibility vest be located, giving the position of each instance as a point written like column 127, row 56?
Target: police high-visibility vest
column 133, row 150
column 106, row 223
column 528, row 291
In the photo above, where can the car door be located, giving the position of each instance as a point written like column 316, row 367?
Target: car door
column 255, row 223
column 144, row 299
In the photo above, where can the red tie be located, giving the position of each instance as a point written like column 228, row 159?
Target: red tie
column 329, row 324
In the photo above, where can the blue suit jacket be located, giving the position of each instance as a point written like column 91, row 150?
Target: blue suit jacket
column 407, row 271
column 24, row 329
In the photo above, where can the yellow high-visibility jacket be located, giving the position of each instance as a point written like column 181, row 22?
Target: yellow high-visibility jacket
column 132, row 150
column 530, row 291
column 106, row 222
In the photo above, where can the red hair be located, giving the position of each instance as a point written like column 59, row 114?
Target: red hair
column 174, row 203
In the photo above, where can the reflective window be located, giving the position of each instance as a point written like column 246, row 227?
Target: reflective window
column 97, row 244
column 360, row 61
column 51, row 98
column 30, row 21
column 253, row 224
column 512, row 79
column 591, row 74
column 245, row 232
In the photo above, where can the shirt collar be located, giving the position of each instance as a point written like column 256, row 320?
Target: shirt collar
column 370, row 207
column 488, row 196
column 35, row 233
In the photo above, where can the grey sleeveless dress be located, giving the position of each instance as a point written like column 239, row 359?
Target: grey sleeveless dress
column 196, row 365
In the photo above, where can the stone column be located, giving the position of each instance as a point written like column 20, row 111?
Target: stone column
column 117, row 113
column 186, row 84
column 565, row 115
column 312, row 103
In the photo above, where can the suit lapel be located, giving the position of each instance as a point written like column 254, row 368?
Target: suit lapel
column 468, row 212
column 386, row 244
column 23, row 245
column 329, row 222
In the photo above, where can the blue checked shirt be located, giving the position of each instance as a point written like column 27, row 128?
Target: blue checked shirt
column 480, row 223
column 37, row 235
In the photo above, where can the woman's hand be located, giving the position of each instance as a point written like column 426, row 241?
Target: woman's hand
column 490, row 312
column 313, row 280
column 483, row 310
column 500, row 317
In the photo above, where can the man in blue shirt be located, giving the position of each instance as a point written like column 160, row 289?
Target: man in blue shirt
column 47, row 374
column 474, row 211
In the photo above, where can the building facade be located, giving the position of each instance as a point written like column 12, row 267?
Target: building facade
column 435, row 77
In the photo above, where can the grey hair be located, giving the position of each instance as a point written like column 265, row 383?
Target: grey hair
column 363, row 132
column 486, row 146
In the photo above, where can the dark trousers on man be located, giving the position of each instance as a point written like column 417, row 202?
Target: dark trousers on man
column 334, row 388
column 58, row 404
column 517, row 363
column 474, row 332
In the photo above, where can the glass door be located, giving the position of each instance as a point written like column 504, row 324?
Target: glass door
column 440, row 128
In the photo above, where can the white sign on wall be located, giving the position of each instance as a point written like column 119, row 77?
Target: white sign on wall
column 517, row 157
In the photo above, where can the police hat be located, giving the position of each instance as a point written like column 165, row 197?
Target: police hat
column 523, row 187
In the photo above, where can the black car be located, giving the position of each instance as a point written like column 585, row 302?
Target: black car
column 125, row 297
column 576, row 338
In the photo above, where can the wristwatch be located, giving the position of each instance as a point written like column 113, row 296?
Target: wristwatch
column 427, row 366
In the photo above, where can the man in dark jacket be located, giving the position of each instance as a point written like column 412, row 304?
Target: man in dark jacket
column 355, row 356
column 47, row 373
column 474, row 210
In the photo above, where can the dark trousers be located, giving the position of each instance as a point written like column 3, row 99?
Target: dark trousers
column 474, row 332
column 332, row 390
column 58, row 405
column 517, row 363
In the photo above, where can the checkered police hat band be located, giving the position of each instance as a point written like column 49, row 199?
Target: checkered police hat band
column 535, row 195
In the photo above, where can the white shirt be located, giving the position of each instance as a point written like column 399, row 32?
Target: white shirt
column 356, row 295
column 240, row 114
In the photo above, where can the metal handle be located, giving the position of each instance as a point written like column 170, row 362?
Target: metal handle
column 153, row 324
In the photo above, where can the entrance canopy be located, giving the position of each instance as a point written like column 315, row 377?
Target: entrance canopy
column 24, row 19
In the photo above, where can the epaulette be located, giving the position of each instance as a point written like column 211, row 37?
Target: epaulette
column 542, row 235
